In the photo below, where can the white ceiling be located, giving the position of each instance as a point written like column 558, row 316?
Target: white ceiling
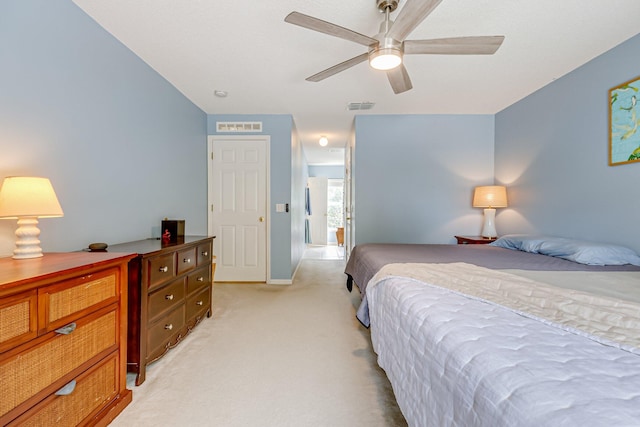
column 244, row 47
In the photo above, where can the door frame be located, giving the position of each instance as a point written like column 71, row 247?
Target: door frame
column 254, row 138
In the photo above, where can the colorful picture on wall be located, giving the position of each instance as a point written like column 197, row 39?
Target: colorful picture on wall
column 624, row 119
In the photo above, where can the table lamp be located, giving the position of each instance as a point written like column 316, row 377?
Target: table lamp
column 27, row 199
column 490, row 197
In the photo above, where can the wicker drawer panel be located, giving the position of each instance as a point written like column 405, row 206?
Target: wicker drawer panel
column 160, row 333
column 199, row 304
column 79, row 294
column 166, row 298
column 204, row 253
column 29, row 372
column 18, row 321
column 186, row 259
column 197, row 280
column 93, row 390
column 161, row 269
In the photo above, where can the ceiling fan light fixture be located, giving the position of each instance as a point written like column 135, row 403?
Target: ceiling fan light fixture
column 386, row 58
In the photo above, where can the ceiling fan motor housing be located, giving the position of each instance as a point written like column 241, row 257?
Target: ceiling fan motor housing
column 384, row 4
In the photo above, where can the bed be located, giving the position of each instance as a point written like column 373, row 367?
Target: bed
column 479, row 335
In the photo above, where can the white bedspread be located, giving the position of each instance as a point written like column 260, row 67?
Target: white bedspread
column 455, row 358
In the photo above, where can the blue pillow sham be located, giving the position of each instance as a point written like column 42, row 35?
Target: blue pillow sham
column 582, row 252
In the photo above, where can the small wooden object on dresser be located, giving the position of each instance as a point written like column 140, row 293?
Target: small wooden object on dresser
column 474, row 240
column 63, row 337
column 169, row 294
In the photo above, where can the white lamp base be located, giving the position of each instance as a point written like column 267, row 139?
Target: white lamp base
column 27, row 243
column 489, row 228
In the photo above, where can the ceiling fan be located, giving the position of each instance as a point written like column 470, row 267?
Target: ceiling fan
column 386, row 49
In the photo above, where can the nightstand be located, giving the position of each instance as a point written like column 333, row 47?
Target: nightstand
column 474, row 240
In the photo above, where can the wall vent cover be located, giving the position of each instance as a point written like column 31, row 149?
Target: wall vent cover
column 360, row 105
column 239, row 126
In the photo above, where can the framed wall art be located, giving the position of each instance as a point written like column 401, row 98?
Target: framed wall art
column 624, row 123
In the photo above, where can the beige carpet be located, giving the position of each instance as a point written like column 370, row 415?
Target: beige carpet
column 271, row 356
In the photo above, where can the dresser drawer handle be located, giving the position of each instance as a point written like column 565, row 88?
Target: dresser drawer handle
column 205, row 253
column 163, row 269
column 169, row 297
column 186, row 260
column 66, row 330
column 200, row 279
column 169, row 326
column 199, row 303
column 67, row 389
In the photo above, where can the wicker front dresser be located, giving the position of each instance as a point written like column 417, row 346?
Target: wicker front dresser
column 63, row 339
column 170, row 287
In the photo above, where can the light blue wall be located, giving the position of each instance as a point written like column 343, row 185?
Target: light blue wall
column 414, row 176
column 122, row 147
column 280, row 128
column 331, row 172
column 551, row 150
column 299, row 177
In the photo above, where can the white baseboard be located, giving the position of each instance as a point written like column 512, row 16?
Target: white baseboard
column 280, row 282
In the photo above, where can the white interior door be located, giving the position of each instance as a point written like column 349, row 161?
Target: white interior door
column 238, row 207
column 318, row 218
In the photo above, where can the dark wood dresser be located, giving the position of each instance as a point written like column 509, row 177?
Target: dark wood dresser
column 170, row 286
column 63, row 337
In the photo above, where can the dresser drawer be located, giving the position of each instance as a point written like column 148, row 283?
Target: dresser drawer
column 204, row 254
column 197, row 280
column 199, row 304
column 18, row 321
column 163, row 331
column 165, row 299
column 161, row 269
column 65, row 300
column 93, row 390
column 28, row 371
column 186, row 259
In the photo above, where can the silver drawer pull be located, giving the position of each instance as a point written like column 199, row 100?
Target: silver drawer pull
column 169, row 297
column 67, row 389
column 199, row 303
column 205, row 253
column 67, row 329
column 186, row 260
column 163, row 269
column 168, row 327
column 200, row 279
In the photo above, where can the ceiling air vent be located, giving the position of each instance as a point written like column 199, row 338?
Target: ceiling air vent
column 360, row 105
column 239, row 126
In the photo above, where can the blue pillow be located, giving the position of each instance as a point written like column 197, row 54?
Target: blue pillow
column 520, row 242
column 582, row 252
column 589, row 252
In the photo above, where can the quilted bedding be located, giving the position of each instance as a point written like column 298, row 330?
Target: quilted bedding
column 367, row 259
column 456, row 357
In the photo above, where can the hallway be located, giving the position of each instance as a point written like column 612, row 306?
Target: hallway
column 328, row 252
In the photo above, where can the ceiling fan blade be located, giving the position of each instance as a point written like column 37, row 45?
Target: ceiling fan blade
column 483, row 45
column 337, row 68
column 325, row 27
column 399, row 79
column 410, row 16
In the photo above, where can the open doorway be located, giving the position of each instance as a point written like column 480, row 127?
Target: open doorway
column 325, row 218
column 335, row 211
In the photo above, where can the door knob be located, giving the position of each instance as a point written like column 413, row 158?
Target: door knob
column 261, row 219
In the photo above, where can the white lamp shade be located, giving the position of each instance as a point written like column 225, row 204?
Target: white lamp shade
column 28, row 197
column 490, row 196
